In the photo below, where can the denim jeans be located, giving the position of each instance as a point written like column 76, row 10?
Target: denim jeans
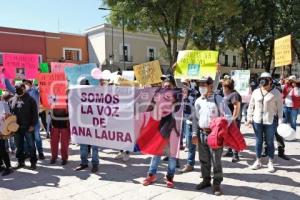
column 264, row 131
column 290, row 116
column 20, row 136
column 191, row 147
column 84, row 155
column 210, row 157
column 155, row 162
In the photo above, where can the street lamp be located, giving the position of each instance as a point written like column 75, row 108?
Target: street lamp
column 123, row 33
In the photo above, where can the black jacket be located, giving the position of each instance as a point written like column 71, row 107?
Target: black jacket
column 25, row 109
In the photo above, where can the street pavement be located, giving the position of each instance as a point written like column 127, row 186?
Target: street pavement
column 122, row 180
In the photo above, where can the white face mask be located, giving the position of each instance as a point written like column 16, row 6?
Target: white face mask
column 193, row 85
column 203, row 90
column 27, row 87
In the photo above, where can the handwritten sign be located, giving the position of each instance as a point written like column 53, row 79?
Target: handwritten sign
column 53, row 90
column 283, row 51
column 196, row 64
column 148, row 73
column 20, row 66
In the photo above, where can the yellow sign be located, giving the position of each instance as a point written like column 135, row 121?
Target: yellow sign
column 283, row 51
column 148, row 73
column 193, row 64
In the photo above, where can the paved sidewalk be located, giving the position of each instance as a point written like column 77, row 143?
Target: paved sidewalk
column 119, row 180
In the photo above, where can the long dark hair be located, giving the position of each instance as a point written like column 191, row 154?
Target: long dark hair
column 168, row 122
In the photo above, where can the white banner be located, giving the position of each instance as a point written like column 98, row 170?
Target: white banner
column 241, row 79
column 102, row 116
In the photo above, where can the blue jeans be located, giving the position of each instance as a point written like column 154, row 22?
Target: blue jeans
column 84, row 155
column 290, row 116
column 37, row 139
column 19, row 139
column 191, row 147
column 155, row 162
column 267, row 131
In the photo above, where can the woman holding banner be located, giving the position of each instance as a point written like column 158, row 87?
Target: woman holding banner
column 160, row 133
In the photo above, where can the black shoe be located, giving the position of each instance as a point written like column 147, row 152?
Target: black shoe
column 229, row 153
column 2, row 168
column 203, row 185
column 217, row 190
column 283, row 156
column 7, row 172
column 166, row 158
column 41, row 156
column 20, row 165
column 64, row 162
column 52, row 161
column 32, row 166
column 235, row 158
column 95, row 169
column 81, row 167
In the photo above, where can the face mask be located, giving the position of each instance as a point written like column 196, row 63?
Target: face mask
column 264, row 82
column 203, row 90
column 19, row 91
column 27, row 87
column 193, row 85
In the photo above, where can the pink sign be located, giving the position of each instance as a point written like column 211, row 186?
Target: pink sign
column 2, row 85
column 20, row 66
column 58, row 67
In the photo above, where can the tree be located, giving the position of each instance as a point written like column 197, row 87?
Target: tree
column 172, row 20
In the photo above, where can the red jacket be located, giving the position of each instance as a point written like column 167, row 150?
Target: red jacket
column 222, row 136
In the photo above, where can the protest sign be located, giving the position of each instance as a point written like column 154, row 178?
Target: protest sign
column 44, row 68
column 241, row 81
column 102, row 116
column 78, row 72
column 20, row 66
column 128, row 75
column 283, row 51
column 192, row 64
column 60, row 66
column 124, row 118
column 2, row 77
column 53, row 88
column 148, row 73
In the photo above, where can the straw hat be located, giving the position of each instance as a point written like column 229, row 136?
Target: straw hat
column 10, row 125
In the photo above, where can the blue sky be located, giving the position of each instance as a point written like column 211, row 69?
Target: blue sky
column 72, row 16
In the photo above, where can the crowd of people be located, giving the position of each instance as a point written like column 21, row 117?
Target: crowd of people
column 204, row 101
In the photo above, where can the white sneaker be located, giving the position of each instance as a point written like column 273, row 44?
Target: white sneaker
column 125, row 157
column 271, row 168
column 257, row 165
column 120, row 155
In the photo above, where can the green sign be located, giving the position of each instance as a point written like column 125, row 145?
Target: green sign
column 44, row 68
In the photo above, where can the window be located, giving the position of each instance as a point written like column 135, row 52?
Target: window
column 151, row 54
column 226, row 60
column 234, row 61
column 72, row 54
column 126, row 52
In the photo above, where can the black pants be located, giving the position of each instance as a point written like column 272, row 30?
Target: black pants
column 4, row 157
column 43, row 116
column 20, row 136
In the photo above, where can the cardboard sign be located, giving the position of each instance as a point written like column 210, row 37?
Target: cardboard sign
column 196, row 64
column 148, row 73
column 57, row 67
column 53, row 88
column 241, row 80
column 283, row 51
column 78, row 72
column 44, row 68
column 20, row 66
column 128, row 75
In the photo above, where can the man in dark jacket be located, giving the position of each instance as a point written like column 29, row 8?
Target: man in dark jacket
column 25, row 109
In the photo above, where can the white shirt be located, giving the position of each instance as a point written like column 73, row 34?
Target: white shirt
column 288, row 102
column 265, row 111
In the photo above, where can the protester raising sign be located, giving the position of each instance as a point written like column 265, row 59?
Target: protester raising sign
column 283, row 51
column 20, row 66
column 102, row 116
column 148, row 73
column 241, row 79
column 195, row 64
column 53, row 90
column 78, row 72
column 60, row 67
column 126, row 117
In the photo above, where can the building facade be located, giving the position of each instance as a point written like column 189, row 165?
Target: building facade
column 49, row 46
